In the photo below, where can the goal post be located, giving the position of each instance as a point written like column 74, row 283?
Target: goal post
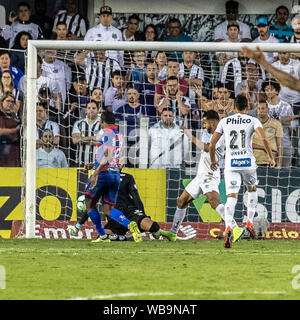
column 31, row 94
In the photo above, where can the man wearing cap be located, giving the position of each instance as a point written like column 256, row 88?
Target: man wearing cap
column 262, row 25
column 232, row 10
column 104, row 31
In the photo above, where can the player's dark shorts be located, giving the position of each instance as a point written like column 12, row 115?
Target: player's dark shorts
column 131, row 214
column 107, row 187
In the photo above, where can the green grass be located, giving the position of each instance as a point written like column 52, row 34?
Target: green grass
column 68, row 269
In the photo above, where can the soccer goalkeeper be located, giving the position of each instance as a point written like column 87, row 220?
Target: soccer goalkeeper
column 131, row 205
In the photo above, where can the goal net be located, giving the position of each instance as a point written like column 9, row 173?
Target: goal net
column 158, row 93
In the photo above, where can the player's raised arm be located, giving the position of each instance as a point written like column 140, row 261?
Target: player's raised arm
column 212, row 149
column 198, row 143
column 261, row 132
column 284, row 78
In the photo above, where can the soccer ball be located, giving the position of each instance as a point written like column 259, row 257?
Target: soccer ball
column 80, row 204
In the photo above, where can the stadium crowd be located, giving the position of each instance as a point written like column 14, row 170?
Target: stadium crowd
column 171, row 89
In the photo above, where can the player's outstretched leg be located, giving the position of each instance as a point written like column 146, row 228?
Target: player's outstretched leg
column 182, row 203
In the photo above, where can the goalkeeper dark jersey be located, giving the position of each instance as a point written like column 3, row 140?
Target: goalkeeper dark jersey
column 128, row 198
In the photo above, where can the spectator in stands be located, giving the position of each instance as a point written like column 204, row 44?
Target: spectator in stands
column 20, row 46
column 295, row 38
column 251, row 86
column 61, row 31
column 172, row 71
column 97, row 96
column 280, row 30
column 232, row 11
column 132, row 25
column 57, row 70
column 264, row 36
column 84, row 134
column 234, row 73
column 115, row 96
column 20, row 22
column 232, row 33
column 48, row 156
column 43, row 82
column 274, row 134
column 130, row 114
column 224, row 105
column 104, row 31
column 161, row 60
column 176, row 35
column 165, row 142
column 7, row 84
column 291, row 66
column 147, row 91
column 77, row 99
column 76, row 24
column 97, row 67
column 9, row 132
column 192, row 74
column 138, row 72
column 132, row 111
column 175, row 99
column 5, row 64
column 41, row 19
column 43, row 123
column 130, row 33
column 282, row 111
column 150, row 34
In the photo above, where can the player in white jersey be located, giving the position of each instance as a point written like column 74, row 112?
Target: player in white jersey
column 240, row 163
column 206, row 181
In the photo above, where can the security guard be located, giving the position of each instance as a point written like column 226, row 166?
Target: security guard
column 104, row 31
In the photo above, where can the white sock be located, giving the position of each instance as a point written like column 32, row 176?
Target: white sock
column 221, row 211
column 251, row 205
column 177, row 220
column 229, row 212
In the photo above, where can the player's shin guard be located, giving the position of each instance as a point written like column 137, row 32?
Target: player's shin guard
column 251, row 205
column 229, row 211
column 118, row 216
column 96, row 219
column 177, row 220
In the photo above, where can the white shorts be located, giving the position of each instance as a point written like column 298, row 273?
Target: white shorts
column 233, row 179
column 202, row 185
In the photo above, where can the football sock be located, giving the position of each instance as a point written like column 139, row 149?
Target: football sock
column 251, row 205
column 118, row 216
column 221, row 211
column 96, row 219
column 177, row 220
column 229, row 211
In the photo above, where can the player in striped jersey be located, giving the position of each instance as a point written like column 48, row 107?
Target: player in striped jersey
column 238, row 131
column 105, row 180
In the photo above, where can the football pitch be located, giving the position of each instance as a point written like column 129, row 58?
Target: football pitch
column 41, row 269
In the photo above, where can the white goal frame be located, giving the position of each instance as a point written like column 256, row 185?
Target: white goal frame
column 34, row 45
